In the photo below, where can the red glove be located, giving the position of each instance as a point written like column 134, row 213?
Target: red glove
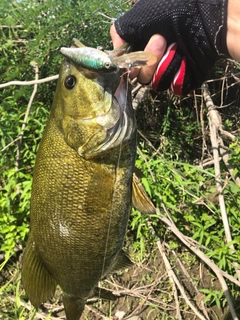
column 164, row 69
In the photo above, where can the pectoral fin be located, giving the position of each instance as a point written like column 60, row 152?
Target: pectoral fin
column 140, row 199
column 37, row 281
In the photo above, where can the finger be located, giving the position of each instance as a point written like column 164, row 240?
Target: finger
column 134, row 73
column 117, row 42
column 157, row 46
column 116, row 39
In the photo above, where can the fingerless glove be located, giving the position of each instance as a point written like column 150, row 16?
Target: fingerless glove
column 195, row 31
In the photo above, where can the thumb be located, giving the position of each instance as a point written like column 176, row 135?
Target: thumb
column 157, row 46
column 116, row 39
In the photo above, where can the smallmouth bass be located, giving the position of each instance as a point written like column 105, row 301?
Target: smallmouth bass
column 82, row 187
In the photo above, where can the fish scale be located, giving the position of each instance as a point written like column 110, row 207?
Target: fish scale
column 76, row 270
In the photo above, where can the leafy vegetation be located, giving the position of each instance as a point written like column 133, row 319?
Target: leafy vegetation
column 174, row 155
column 31, row 31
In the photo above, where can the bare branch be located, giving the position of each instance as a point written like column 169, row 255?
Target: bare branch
column 38, row 315
column 28, row 83
column 10, row 27
column 190, row 280
column 177, row 282
column 172, row 277
column 36, row 69
column 10, row 143
column 215, row 123
column 219, row 273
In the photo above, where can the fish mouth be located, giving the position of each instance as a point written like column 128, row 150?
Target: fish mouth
column 124, row 127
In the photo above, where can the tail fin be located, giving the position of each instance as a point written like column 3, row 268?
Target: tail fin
column 73, row 307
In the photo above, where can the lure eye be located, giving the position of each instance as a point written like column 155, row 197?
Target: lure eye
column 70, row 82
column 107, row 65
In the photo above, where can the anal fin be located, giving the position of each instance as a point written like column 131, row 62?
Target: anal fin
column 104, row 294
column 122, row 261
column 38, row 283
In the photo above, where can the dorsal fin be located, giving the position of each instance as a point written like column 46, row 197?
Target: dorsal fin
column 77, row 44
column 140, row 199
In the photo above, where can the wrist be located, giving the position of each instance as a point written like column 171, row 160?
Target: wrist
column 233, row 29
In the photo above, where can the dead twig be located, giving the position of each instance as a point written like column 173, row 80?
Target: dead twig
column 10, row 143
column 140, row 95
column 36, row 70
column 28, row 83
column 38, row 315
column 201, row 303
column 215, row 123
column 179, row 285
column 172, row 277
column 219, row 273
column 96, row 312
column 175, row 281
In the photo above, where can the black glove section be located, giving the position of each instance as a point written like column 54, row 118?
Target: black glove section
column 198, row 27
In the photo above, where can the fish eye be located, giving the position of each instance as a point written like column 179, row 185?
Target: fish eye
column 70, row 82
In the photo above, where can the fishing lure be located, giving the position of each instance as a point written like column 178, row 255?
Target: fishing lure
column 137, row 59
column 90, row 58
column 99, row 60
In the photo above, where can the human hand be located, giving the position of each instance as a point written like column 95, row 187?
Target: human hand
column 156, row 45
column 193, row 31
